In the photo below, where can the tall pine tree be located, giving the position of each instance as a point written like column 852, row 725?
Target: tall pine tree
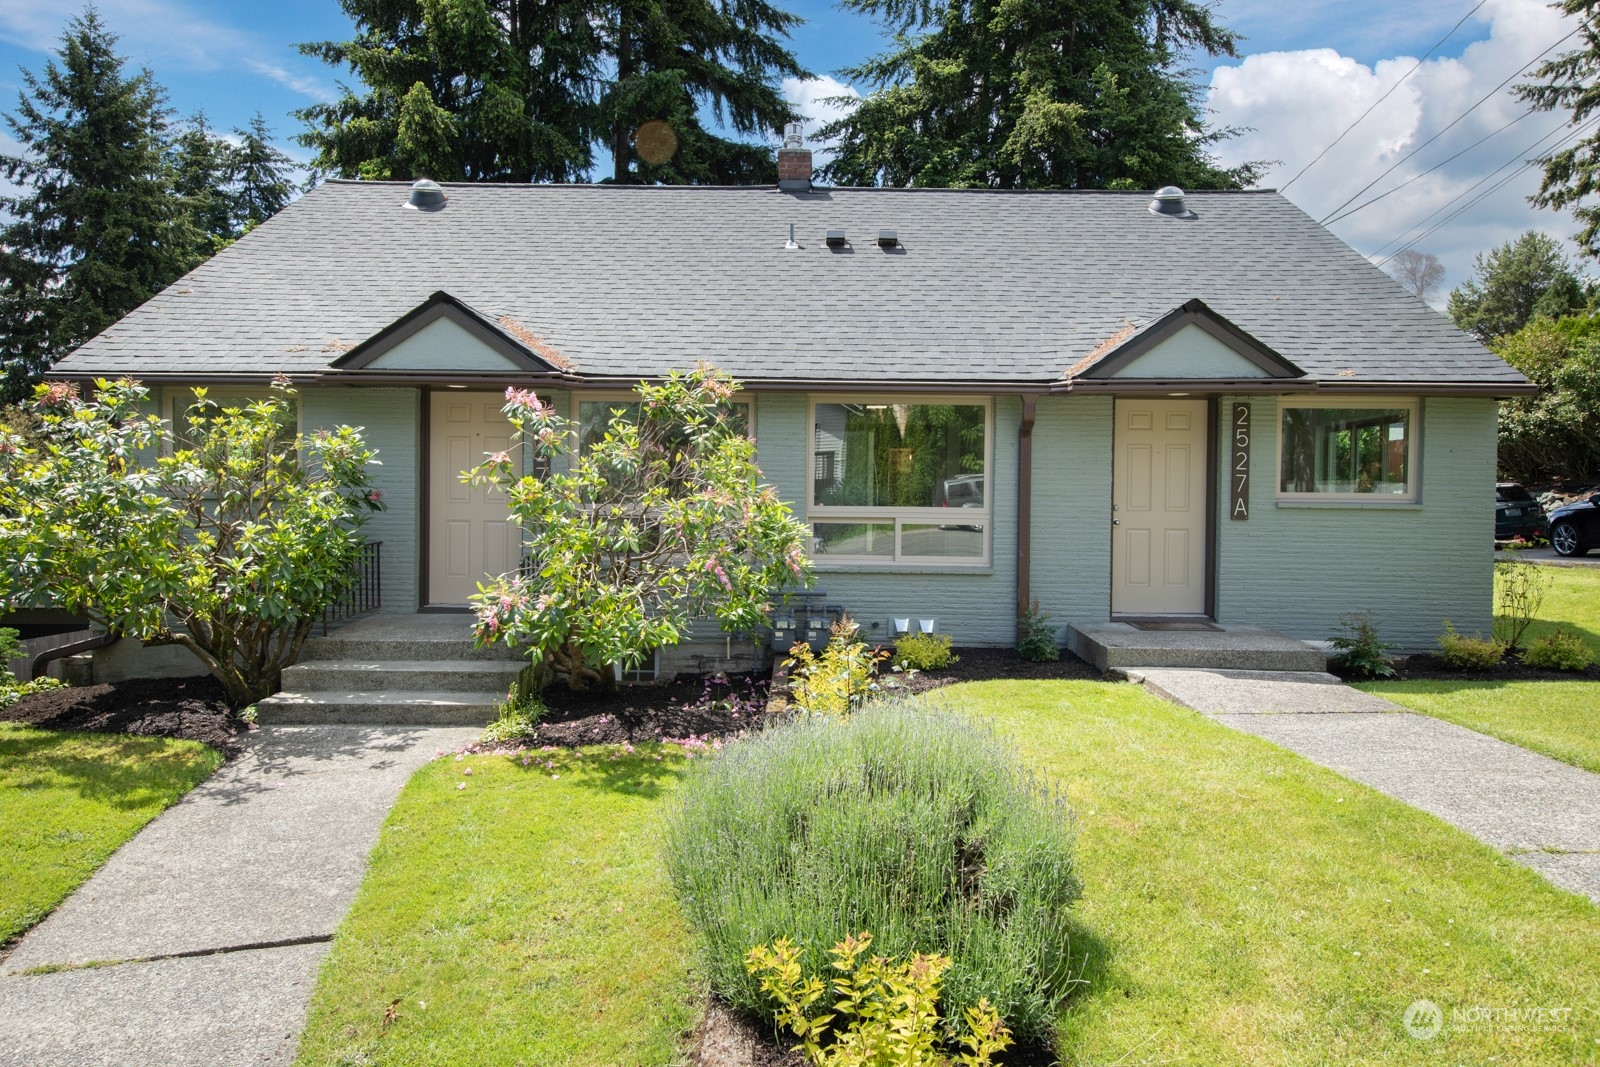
column 460, row 90
column 96, row 228
column 521, row 90
column 1571, row 83
column 202, row 168
column 1034, row 94
column 262, row 181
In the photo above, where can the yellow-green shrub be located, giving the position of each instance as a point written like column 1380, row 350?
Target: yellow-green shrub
column 924, row 652
column 885, row 1013
column 841, row 679
column 1559, row 650
column 1464, row 653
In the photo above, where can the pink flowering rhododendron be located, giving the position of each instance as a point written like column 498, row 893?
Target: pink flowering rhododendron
column 659, row 520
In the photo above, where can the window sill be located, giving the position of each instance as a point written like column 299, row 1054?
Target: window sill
column 1359, row 505
column 842, row 567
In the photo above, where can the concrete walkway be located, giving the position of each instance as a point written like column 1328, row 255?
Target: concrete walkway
column 1539, row 811
column 219, row 911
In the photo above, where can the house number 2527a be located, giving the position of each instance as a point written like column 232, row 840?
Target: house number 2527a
column 1239, row 466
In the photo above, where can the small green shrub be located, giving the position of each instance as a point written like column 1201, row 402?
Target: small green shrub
column 886, row 1014
column 1559, row 650
column 924, row 652
column 1519, row 591
column 904, row 819
column 1463, row 653
column 1037, row 638
column 10, row 649
column 520, row 712
column 12, row 690
column 841, row 679
column 1361, row 652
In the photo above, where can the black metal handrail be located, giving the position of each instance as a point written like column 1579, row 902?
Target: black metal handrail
column 365, row 594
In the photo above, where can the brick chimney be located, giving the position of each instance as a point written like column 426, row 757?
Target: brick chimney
column 794, row 162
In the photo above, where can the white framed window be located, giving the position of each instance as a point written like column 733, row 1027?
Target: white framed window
column 177, row 400
column 900, row 480
column 645, row 671
column 1357, row 449
column 592, row 414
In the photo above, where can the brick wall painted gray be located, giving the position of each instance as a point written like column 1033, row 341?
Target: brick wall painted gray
column 976, row 608
column 1071, row 574
column 392, row 423
column 1297, row 569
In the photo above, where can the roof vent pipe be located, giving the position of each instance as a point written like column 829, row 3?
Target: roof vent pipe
column 1169, row 202
column 426, row 195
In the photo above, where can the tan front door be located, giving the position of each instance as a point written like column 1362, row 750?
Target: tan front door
column 470, row 534
column 1158, row 500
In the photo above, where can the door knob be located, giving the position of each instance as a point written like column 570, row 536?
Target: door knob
column 1116, row 522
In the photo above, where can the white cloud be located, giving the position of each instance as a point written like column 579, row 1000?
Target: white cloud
column 1296, row 103
column 816, row 99
column 156, row 33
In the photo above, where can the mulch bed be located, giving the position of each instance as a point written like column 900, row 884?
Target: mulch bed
column 189, row 708
column 710, row 709
column 1430, row 667
column 999, row 664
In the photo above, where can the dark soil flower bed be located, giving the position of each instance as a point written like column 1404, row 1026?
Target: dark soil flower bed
column 1510, row 669
column 687, row 707
column 993, row 664
column 190, row 708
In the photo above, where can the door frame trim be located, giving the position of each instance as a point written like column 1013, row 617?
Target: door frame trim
column 1209, row 526
column 425, row 502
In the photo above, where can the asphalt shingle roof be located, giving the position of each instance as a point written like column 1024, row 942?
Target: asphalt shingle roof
column 992, row 286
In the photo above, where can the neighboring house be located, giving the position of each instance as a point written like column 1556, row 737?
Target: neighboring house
column 1204, row 407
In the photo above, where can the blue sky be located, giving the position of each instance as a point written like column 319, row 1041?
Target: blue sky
column 1307, row 68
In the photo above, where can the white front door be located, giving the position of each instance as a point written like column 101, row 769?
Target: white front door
column 471, row 537
column 1158, row 500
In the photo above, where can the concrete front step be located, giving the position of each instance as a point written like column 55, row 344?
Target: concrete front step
column 1121, row 646
column 392, row 638
column 415, row 708
column 452, row 676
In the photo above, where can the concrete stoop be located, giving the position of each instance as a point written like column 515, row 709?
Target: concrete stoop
column 400, row 670
column 1122, row 646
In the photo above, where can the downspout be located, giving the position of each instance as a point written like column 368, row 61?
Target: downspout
column 1024, row 509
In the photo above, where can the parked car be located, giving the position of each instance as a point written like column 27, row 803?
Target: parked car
column 1517, row 515
column 1575, row 527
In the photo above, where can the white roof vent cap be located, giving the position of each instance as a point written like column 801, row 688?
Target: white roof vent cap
column 1169, row 202
column 426, row 195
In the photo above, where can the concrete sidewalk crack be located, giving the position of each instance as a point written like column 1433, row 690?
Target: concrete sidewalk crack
column 254, row 946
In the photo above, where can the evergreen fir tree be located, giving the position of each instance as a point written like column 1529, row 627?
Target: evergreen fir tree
column 498, row 90
column 513, row 90
column 202, row 170
column 1034, row 94
column 1571, row 82
column 96, row 228
column 262, row 180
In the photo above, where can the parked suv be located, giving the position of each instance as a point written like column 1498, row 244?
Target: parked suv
column 1517, row 515
column 1575, row 527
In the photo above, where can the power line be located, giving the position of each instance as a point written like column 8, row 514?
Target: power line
column 1520, row 157
column 1480, row 102
column 1475, row 201
column 1436, row 45
column 1423, row 174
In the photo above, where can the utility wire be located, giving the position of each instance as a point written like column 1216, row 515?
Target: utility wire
column 1436, row 46
column 1423, row 174
column 1519, row 157
column 1475, row 201
column 1480, row 102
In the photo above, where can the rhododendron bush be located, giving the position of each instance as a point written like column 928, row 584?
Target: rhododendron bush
column 228, row 540
column 661, row 521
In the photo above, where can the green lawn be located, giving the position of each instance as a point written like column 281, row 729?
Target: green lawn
column 1241, row 906
column 523, row 919
column 1558, row 718
column 68, row 800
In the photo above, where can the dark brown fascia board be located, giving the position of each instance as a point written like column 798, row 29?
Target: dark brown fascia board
column 441, row 305
column 1081, row 387
column 1192, row 313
